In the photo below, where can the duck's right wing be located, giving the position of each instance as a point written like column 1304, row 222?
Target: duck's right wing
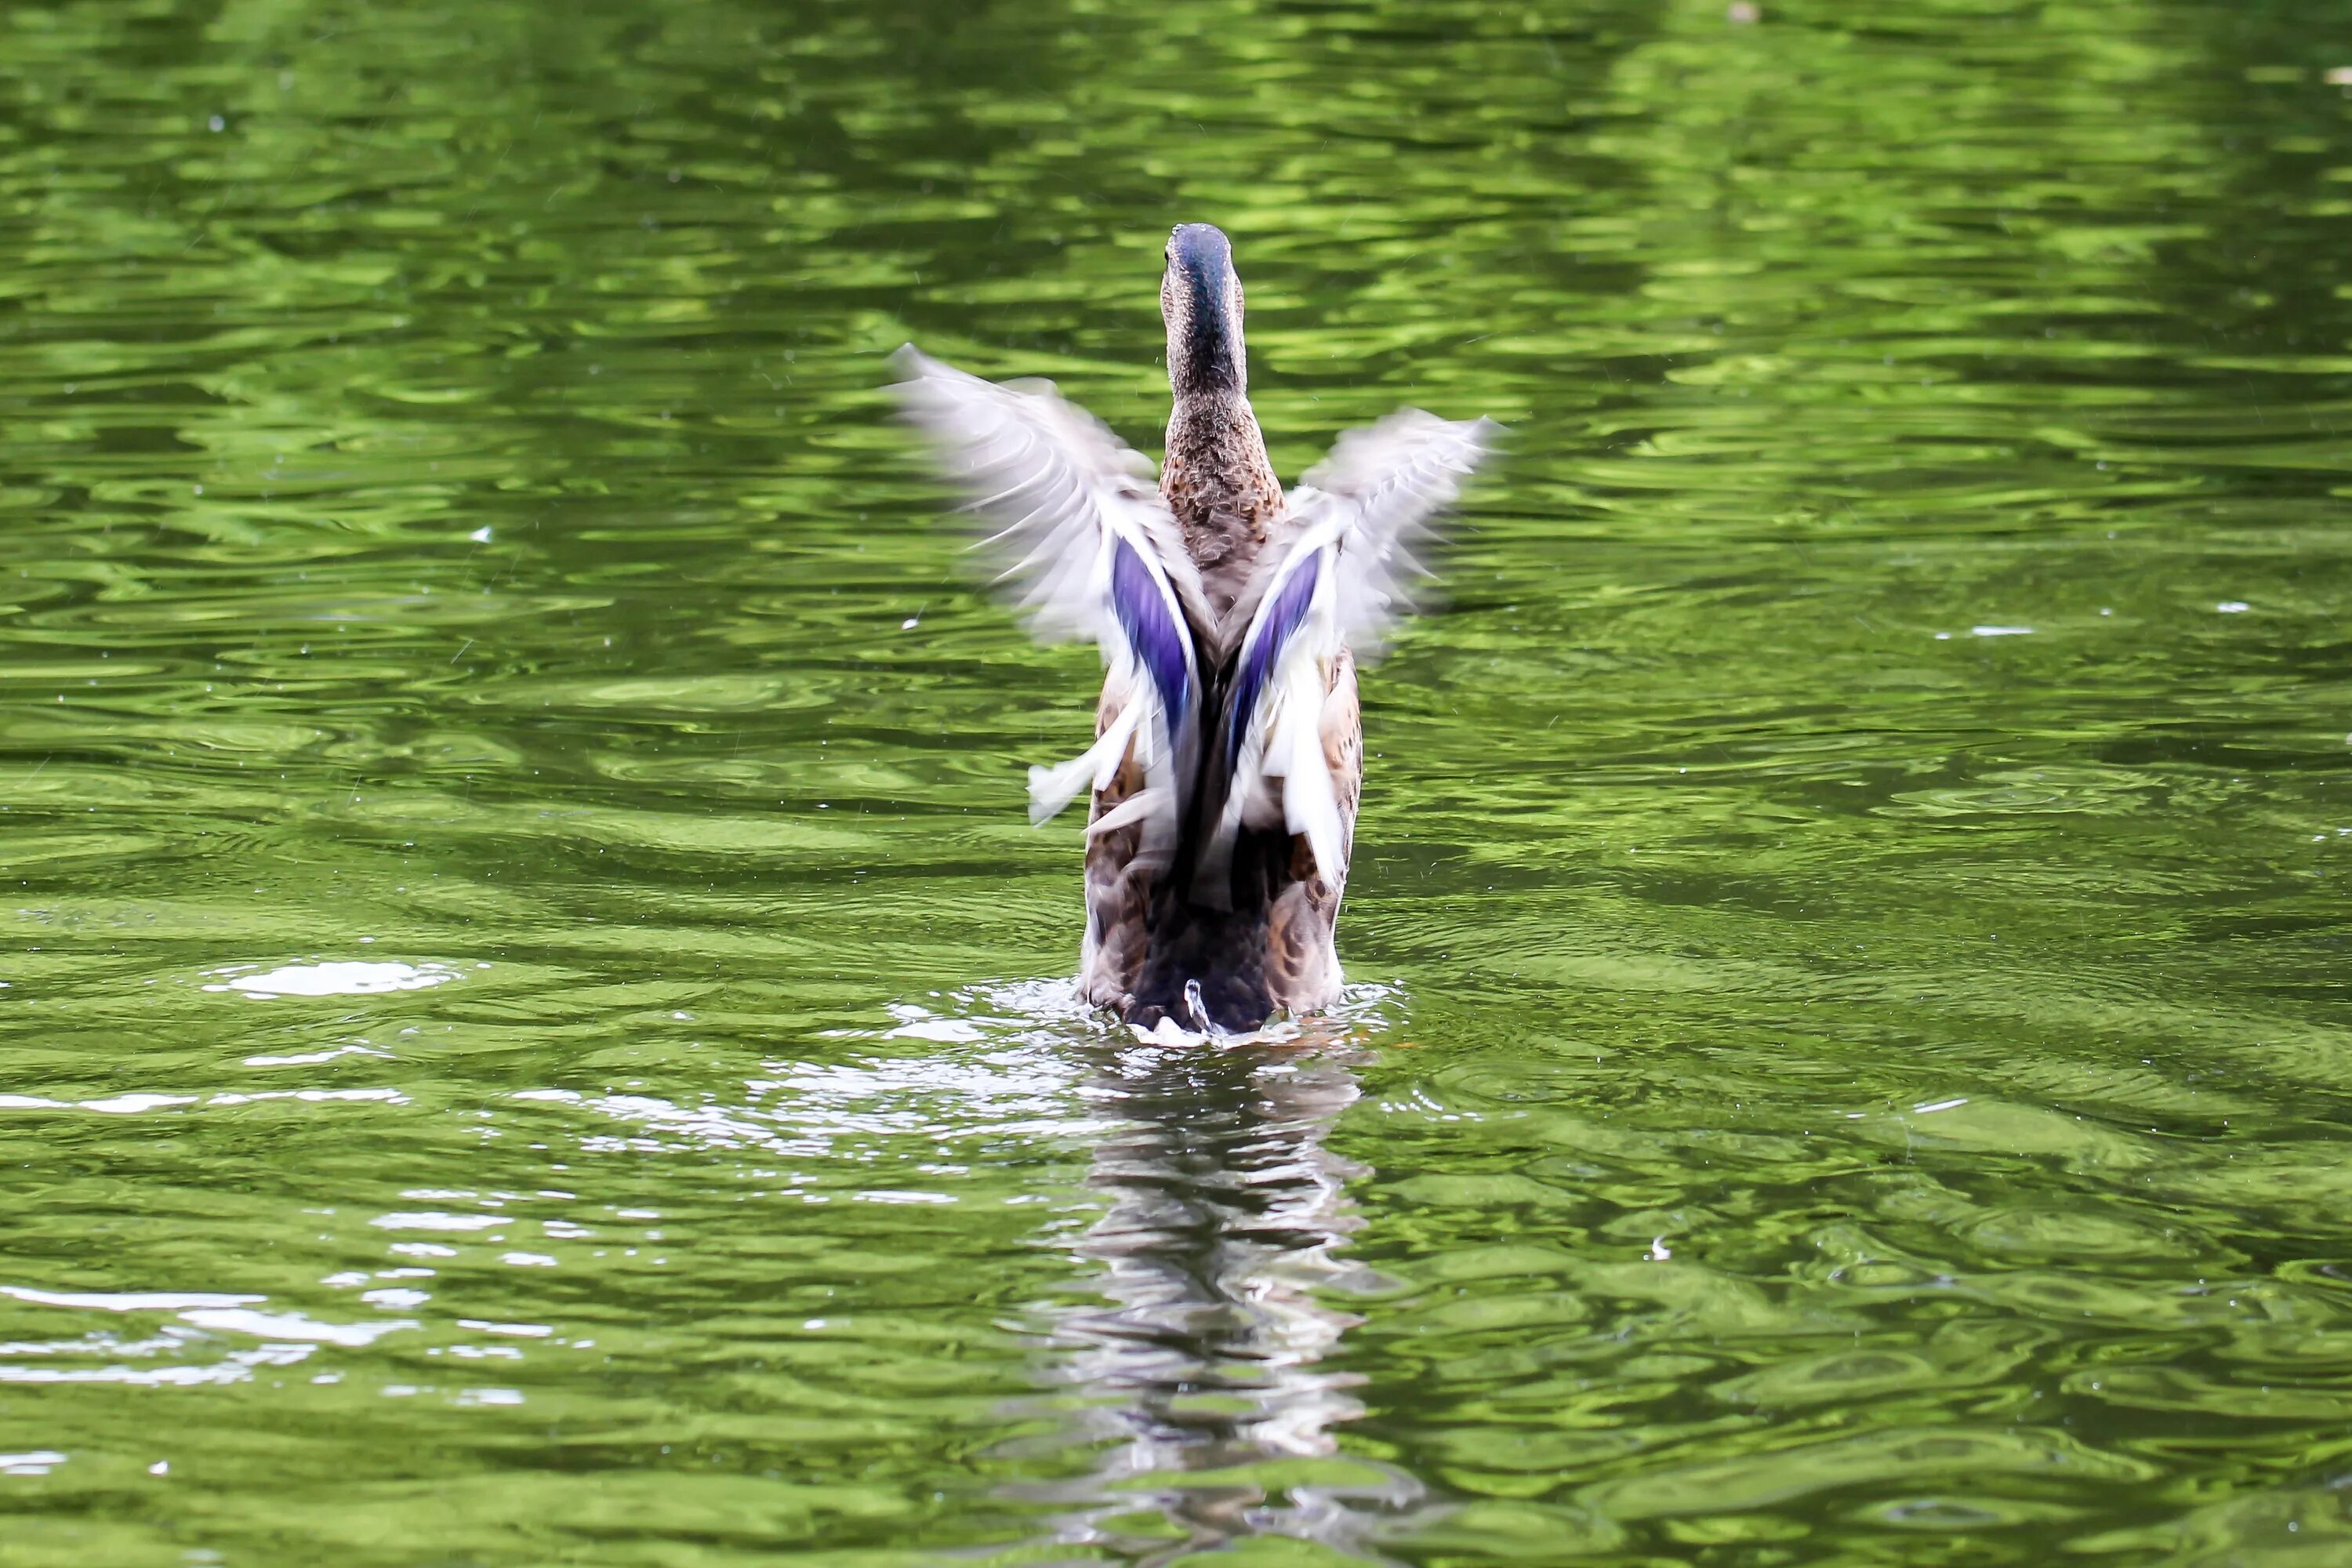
column 1383, row 487
column 1091, row 553
column 1338, row 584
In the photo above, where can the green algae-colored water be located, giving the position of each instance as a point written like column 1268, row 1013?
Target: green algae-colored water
column 536, row 1029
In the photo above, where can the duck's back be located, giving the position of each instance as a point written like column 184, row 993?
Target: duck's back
column 1148, row 936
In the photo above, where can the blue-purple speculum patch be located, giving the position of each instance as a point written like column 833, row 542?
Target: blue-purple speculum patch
column 1257, row 665
column 1151, row 630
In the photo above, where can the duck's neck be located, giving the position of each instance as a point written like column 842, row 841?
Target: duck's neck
column 1222, row 487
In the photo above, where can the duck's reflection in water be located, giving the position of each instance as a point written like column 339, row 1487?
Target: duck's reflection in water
column 1221, row 1251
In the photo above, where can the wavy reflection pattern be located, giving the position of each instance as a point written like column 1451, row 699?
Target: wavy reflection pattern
column 1208, row 1373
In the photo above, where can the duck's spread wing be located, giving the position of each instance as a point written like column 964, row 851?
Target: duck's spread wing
column 1338, row 584
column 1090, row 550
column 1383, row 488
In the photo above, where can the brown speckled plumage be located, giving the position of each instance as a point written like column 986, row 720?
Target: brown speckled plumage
column 1220, row 484
column 1273, row 949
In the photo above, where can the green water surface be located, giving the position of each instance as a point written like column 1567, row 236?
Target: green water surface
column 536, row 1029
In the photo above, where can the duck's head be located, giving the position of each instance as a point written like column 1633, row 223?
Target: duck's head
column 1201, row 299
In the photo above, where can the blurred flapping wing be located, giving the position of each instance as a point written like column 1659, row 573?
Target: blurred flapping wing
column 1383, row 488
column 1090, row 550
column 1355, row 518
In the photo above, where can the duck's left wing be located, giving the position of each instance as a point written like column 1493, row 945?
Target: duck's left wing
column 1091, row 552
column 1355, row 517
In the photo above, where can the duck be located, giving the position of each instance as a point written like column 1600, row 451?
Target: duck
column 1231, row 616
